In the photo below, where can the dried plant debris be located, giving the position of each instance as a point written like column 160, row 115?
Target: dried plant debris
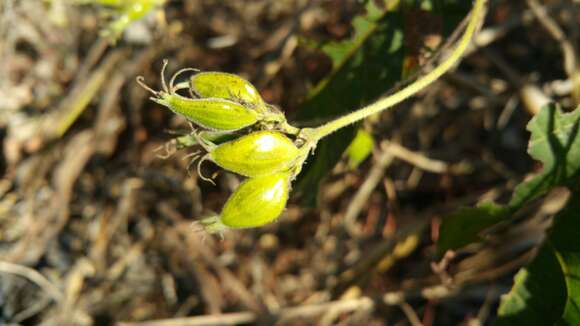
column 97, row 229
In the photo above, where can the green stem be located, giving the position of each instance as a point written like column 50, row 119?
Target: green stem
column 388, row 102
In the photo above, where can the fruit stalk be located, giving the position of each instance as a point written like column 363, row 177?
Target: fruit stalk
column 314, row 135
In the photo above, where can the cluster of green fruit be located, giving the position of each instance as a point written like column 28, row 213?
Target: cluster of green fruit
column 261, row 148
column 265, row 148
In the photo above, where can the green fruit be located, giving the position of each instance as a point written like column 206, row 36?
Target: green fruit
column 256, row 202
column 210, row 113
column 216, row 114
column 256, row 154
column 226, row 86
column 226, row 102
column 235, row 88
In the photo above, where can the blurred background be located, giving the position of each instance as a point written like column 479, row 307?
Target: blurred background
column 97, row 204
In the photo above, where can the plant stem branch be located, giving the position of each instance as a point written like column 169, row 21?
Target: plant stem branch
column 388, row 102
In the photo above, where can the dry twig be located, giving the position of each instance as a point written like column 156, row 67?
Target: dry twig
column 34, row 277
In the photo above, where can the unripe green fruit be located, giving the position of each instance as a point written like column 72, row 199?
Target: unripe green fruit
column 256, row 202
column 256, row 154
column 227, row 103
column 226, row 86
column 234, row 88
column 210, row 113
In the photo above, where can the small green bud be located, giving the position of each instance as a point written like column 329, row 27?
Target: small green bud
column 256, row 154
column 256, row 202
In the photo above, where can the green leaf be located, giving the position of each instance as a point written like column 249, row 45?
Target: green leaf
column 547, row 291
column 365, row 67
column 555, row 142
column 360, row 148
column 462, row 227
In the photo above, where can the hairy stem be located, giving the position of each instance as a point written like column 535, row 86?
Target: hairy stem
column 389, row 101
